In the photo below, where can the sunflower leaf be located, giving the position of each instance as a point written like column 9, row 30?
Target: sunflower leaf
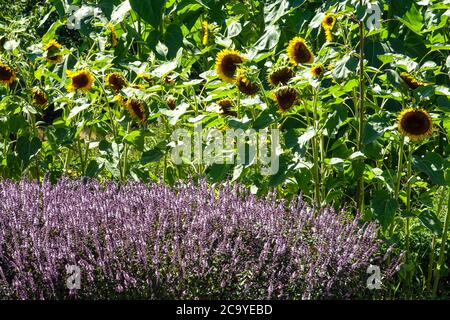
column 432, row 165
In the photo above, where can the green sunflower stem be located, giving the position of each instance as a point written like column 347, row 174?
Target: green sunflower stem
column 82, row 162
column 441, row 260
column 360, row 114
column 315, row 147
column 125, row 157
column 399, row 178
column 408, row 211
column 433, row 245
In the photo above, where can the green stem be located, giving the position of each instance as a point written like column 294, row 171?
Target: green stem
column 399, row 177
column 408, row 218
column 80, row 150
column 433, row 244
column 125, row 157
column 315, row 147
column 360, row 114
column 437, row 271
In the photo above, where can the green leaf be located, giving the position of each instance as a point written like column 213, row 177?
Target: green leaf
column 431, row 222
column 119, row 12
column 218, row 172
column 269, row 39
column 152, row 155
column 305, row 137
column 51, row 32
column 173, row 40
column 432, row 165
column 384, row 207
column 136, row 138
column 413, row 20
column 150, row 11
column 92, row 169
column 234, row 29
column 345, row 67
column 77, row 110
column 27, row 149
column 374, row 128
column 443, row 103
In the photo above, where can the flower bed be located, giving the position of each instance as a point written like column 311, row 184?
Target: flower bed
column 192, row 241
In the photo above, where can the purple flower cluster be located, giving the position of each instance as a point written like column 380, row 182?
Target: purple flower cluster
column 192, row 241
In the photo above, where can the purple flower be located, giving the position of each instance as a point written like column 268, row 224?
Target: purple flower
column 192, row 241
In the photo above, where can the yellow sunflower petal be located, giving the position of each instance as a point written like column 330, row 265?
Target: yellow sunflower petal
column 299, row 52
column 227, row 63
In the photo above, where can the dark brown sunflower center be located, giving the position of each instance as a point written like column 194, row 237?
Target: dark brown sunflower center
column 281, row 76
column 117, row 82
column 247, row 87
column 415, row 122
column 317, row 71
column 301, row 53
column 286, row 98
column 40, row 98
column 229, row 64
column 80, row 81
column 330, row 21
column 5, row 73
column 138, row 108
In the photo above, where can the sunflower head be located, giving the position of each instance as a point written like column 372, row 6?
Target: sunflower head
column 171, row 103
column 285, row 97
column 52, row 52
column 205, row 33
column 415, row 124
column 80, row 80
column 280, row 76
column 244, row 84
column 227, row 63
column 40, row 98
column 411, row 81
column 299, row 52
column 7, row 74
column 226, row 105
column 116, row 81
column 317, row 70
column 329, row 21
column 137, row 109
column 113, row 37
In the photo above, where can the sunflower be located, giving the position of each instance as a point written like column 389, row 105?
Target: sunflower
column 317, row 70
column 116, row 81
column 205, row 33
column 80, row 80
column 328, row 23
column 137, row 109
column 225, row 106
column 415, row 124
column 227, row 62
column 285, row 97
column 299, row 52
column 52, row 50
column 113, row 35
column 280, row 76
column 244, row 84
column 7, row 74
column 40, row 98
column 411, row 81
column 171, row 103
